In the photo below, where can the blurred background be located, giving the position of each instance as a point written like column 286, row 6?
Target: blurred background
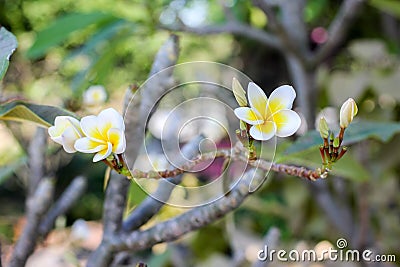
column 66, row 47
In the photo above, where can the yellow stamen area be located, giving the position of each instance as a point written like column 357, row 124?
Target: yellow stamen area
column 105, row 129
column 275, row 105
column 279, row 118
column 114, row 138
column 253, row 116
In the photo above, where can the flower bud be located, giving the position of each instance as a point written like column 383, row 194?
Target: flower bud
column 347, row 112
column 239, row 93
column 323, row 128
column 336, row 142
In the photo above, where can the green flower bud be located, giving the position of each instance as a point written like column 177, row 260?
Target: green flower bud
column 239, row 93
column 336, row 142
column 323, row 128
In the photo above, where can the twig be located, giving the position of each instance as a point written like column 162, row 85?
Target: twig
column 236, row 154
column 36, row 151
column 68, row 198
column 36, row 206
column 152, row 204
column 235, row 244
column 192, row 220
column 338, row 29
column 233, row 27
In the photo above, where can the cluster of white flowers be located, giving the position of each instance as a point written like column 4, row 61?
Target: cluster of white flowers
column 103, row 134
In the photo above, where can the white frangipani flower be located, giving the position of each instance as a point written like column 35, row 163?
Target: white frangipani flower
column 94, row 95
column 104, row 134
column 270, row 117
column 66, row 131
column 347, row 112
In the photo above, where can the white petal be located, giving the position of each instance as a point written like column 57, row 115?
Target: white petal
column 281, row 98
column 257, row 99
column 60, row 123
column 248, row 115
column 287, row 122
column 117, row 138
column 69, row 138
column 110, row 115
column 263, row 131
column 55, row 135
column 76, row 125
column 86, row 145
column 89, row 125
column 103, row 153
column 347, row 112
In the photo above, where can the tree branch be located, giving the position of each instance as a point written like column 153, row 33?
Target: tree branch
column 37, row 159
column 36, row 206
column 114, row 206
column 236, row 154
column 152, row 204
column 304, row 82
column 271, row 240
column 116, row 194
column 192, row 220
column 233, row 27
column 338, row 29
column 341, row 218
column 68, row 198
column 145, row 99
column 291, row 31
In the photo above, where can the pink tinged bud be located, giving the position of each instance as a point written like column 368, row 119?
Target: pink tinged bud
column 347, row 112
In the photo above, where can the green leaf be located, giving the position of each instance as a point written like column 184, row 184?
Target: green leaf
column 160, row 259
column 98, row 70
column 105, row 34
column 310, row 139
column 356, row 132
column 60, row 30
column 136, row 195
column 8, row 43
column 389, row 6
column 40, row 114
